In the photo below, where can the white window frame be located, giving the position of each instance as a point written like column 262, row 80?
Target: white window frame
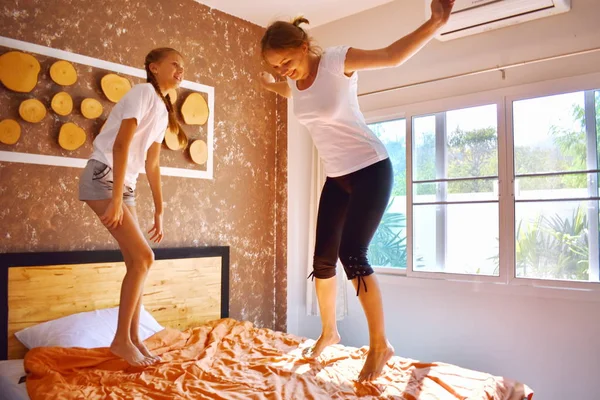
column 503, row 98
column 575, row 84
column 384, row 116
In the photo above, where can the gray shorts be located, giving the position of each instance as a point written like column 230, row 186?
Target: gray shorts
column 96, row 183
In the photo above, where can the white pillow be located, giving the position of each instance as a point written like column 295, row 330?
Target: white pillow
column 88, row 329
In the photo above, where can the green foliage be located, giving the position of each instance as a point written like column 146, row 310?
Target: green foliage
column 388, row 247
column 552, row 247
column 573, row 146
column 471, row 154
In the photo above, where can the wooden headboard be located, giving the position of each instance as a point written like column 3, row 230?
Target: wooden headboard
column 185, row 287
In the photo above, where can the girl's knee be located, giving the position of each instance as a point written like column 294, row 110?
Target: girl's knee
column 144, row 258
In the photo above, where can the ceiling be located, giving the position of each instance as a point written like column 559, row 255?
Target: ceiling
column 318, row 12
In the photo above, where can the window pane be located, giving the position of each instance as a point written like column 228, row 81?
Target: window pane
column 424, row 148
column 553, row 187
column 393, row 136
column 472, row 142
column 597, row 109
column 464, row 235
column 425, row 192
column 473, row 190
column 456, row 146
column 388, row 246
column 549, row 134
column 552, row 240
column 467, row 190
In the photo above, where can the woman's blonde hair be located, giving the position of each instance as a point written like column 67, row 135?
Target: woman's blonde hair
column 287, row 35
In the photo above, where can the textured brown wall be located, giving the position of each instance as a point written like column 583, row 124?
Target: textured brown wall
column 244, row 206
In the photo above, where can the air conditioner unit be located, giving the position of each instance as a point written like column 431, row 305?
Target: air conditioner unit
column 470, row 17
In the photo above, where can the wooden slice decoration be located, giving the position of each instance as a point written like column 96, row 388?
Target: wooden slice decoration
column 63, row 73
column 32, row 110
column 62, row 103
column 91, row 108
column 195, row 110
column 71, row 137
column 114, row 87
column 19, row 71
column 173, row 141
column 199, row 151
column 10, row 131
column 172, row 95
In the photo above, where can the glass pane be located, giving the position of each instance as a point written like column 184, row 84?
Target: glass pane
column 471, row 144
column 472, row 148
column 424, row 148
column 552, row 240
column 426, row 192
column 457, row 238
column 388, row 246
column 467, row 190
column 597, row 109
column 393, row 136
column 553, row 187
column 549, row 134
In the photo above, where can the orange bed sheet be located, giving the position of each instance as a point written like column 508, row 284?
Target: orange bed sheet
column 228, row 359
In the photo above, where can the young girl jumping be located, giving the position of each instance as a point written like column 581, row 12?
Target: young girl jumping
column 359, row 172
column 130, row 142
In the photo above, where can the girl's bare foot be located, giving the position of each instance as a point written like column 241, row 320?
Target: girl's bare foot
column 130, row 353
column 144, row 350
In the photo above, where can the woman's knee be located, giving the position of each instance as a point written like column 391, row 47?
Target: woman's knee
column 323, row 268
column 355, row 262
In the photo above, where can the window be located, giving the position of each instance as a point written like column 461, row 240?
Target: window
column 505, row 190
column 556, row 186
column 388, row 247
column 455, row 191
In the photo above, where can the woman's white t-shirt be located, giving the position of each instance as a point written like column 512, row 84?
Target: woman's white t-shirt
column 145, row 105
column 329, row 109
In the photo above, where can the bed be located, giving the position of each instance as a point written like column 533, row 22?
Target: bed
column 204, row 353
column 39, row 287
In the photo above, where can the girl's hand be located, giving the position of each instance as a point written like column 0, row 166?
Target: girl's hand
column 157, row 230
column 113, row 216
column 440, row 11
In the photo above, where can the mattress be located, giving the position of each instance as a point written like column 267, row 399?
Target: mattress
column 11, row 372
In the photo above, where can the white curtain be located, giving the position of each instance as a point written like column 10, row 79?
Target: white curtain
column 312, row 306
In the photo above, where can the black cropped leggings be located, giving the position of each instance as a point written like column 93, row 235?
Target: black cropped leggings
column 350, row 210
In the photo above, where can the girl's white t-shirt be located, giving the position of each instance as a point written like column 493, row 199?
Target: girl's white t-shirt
column 145, row 105
column 330, row 111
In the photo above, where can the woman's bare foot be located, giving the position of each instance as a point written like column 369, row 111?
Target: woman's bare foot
column 377, row 357
column 326, row 339
column 130, row 353
column 144, row 350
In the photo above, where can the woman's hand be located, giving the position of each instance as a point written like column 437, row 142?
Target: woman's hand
column 440, row 11
column 266, row 78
